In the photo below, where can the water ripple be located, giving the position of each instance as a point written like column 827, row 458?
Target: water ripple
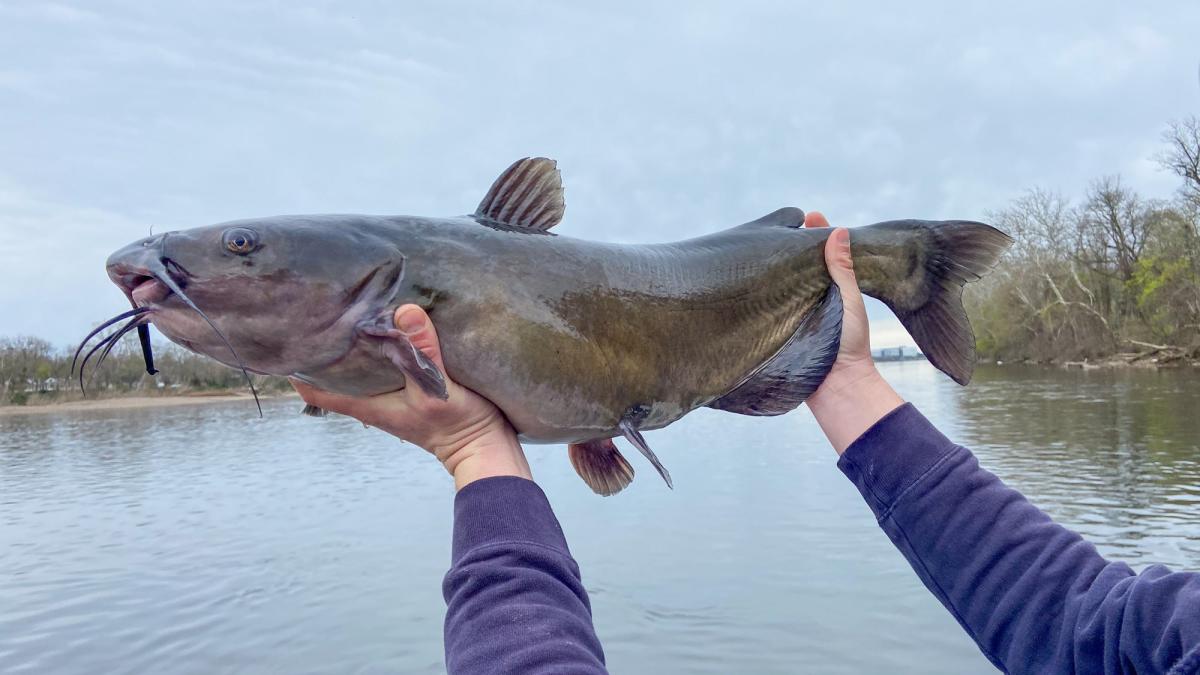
column 206, row 540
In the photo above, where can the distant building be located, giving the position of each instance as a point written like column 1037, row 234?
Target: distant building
column 902, row 353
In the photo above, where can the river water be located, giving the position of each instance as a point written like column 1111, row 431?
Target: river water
column 202, row 539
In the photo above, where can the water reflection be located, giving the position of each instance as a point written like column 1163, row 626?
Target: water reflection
column 1114, row 453
column 203, row 539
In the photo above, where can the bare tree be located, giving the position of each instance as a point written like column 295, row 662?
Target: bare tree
column 1182, row 155
column 1114, row 226
column 1038, row 304
column 26, row 365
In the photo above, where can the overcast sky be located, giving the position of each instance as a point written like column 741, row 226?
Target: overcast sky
column 668, row 119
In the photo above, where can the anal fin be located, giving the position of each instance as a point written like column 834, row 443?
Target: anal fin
column 789, row 377
column 601, row 465
column 313, row 411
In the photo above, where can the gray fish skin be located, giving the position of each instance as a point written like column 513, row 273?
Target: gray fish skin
column 575, row 341
column 566, row 336
column 591, row 331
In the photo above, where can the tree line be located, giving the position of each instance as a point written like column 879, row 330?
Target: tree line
column 1113, row 273
column 34, row 371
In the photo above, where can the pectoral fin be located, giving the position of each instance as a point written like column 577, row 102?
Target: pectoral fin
column 416, row 366
column 789, row 377
column 601, row 465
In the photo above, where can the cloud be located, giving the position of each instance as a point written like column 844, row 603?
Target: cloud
column 1076, row 62
column 49, row 11
column 55, row 285
column 1102, row 60
column 668, row 121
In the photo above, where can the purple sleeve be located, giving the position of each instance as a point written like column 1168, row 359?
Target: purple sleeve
column 515, row 601
column 1033, row 595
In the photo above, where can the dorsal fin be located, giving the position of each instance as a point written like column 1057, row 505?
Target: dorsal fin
column 527, row 195
column 788, row 216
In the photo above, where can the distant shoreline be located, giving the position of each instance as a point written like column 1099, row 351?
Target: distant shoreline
column 204, row 398
column 1145, row 361
column 1119, row 362
column 132, row 402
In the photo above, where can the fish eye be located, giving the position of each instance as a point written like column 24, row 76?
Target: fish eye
column 240, row 240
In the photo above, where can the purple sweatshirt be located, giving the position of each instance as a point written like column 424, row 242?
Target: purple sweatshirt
column 1033, row 595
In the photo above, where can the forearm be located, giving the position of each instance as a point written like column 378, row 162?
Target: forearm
column 1033, row 595
column 515, row 600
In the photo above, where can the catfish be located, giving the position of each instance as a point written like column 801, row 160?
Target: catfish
column 576, row 341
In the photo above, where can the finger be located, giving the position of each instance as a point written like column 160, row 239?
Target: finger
column 416, row 326
column 306, row 391
column 338, row 403
column 313, row 396
column 815, row 219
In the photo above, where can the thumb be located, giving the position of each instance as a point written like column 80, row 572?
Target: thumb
column 841, row 269
column 815, row 219
column 414, row 323
column 837, row 259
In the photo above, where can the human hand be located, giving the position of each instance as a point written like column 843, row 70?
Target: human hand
column 466, row 432
column 853, row 395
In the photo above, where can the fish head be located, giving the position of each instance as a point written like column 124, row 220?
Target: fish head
column 284, row 293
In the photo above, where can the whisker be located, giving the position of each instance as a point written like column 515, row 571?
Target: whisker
column 144, row 337
column 123, row 315
column 113, row 343
column 104, row 343
column 163, row 276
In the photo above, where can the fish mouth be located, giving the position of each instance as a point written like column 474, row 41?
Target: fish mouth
column 142, row 287
column 147, row 287
column 147, row 291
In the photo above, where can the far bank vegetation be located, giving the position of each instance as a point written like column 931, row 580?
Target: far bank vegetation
column 32, row 371
column 1111, row 276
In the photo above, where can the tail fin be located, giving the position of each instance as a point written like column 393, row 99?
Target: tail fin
column 918, row 268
